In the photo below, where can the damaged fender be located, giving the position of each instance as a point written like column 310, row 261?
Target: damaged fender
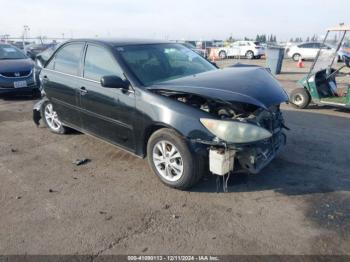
column 37, row 110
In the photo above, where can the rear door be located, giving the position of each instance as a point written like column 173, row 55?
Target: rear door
column 234, row 49
column 106, row 112
column 308, row 50
column 243, row 48
column 314, row 50
column 60, row 82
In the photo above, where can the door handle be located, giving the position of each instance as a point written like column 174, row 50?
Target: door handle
column 45, row 78
column 83, row 91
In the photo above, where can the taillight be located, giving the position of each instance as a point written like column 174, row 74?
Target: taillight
column 257, row 47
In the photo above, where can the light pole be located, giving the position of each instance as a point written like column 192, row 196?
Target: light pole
column 26, row 30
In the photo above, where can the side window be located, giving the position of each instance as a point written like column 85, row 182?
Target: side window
column 308, row 45
column 51, row 64
column 323, row 46
column 67, row 59
column 99, row 62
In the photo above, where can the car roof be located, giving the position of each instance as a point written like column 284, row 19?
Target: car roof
column 119, row 41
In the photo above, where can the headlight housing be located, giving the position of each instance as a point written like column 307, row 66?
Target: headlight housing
column 234, row 131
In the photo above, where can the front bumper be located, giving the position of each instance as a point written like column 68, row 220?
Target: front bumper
column 29, row 90
column 254, row 158
column 7, row 85
column 251, row 158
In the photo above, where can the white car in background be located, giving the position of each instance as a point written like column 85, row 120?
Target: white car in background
column 307, row 50
column 248, row 49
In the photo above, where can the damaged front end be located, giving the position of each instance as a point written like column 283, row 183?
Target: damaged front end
column 37, row 109
column 246, row 137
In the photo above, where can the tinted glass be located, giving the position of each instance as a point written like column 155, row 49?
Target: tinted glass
column 99, row 62
column 308, row 45
column 10, row 52
column 161, row 62
column 68, row 58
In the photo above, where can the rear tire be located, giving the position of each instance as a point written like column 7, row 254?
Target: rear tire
column 172, row 160
column 51, row 120
column 299, row 98
column 296, row 57
column 249, row 55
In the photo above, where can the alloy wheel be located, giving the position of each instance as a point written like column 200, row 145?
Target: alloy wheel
column 298, row 99
column 222, row 55
column 168, row 160
column 51, row 118
column 250, row 55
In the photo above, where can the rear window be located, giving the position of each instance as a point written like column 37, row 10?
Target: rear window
column 67, row 59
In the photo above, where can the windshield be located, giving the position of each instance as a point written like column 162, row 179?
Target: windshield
column 188, row 45
column 10, row 52
column 157, row 63
column 336, row 43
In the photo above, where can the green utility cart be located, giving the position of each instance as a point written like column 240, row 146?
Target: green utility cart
column 328, row 81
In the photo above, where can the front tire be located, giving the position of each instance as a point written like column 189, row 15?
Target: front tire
column 222, row 55
column 300, row 98
column 51, row 120
column 172, row 161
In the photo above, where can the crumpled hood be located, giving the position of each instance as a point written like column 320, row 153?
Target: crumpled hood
column 252, row 85
column 16, row 65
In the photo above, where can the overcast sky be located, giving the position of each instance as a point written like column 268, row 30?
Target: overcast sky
column 176, row 19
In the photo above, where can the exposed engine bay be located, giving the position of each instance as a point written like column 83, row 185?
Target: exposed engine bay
column 270, row 119
column 226, row 158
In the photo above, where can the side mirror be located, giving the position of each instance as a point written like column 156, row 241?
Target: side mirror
column 39, row 62
column 113, row 81
column 346, row 60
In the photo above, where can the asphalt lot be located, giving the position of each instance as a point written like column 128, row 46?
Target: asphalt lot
column 299, row 204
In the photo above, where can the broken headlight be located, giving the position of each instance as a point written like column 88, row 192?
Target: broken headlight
column 234, row 131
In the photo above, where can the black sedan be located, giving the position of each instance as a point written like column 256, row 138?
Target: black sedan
column 16, row 72
column 164, row 101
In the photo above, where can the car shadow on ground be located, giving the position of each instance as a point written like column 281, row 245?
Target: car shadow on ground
column 19, row 98
column 326, row 107
column 314, row 166
column 292, row 73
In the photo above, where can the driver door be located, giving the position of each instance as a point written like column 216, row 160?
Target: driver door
column 106, row 112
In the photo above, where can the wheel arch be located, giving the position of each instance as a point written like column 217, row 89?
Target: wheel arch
column 150, row 130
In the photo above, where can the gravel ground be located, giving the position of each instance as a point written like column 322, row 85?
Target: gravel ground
column 299, row 204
